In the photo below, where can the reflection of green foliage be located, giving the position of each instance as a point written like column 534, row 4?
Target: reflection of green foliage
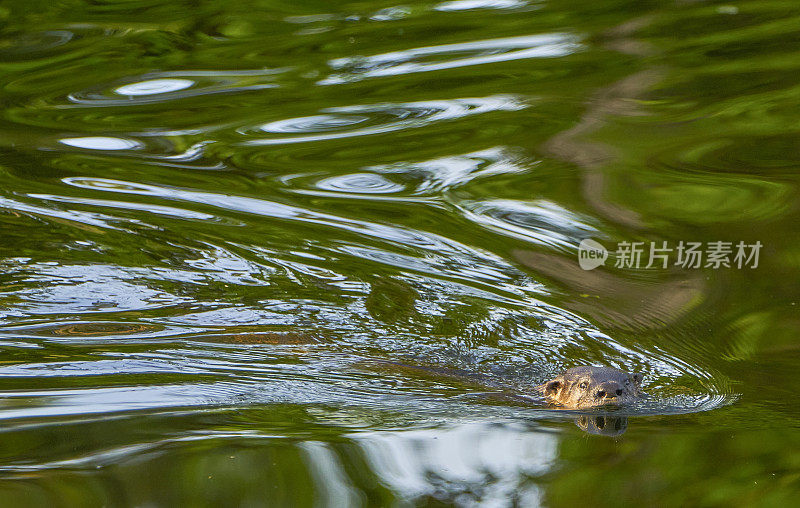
column 712, row 469
column 472, row 323
column 391, row 300
column 699, row 202
column 458, row 318
column 749, row 332
column 283, row 455
column 706, row 152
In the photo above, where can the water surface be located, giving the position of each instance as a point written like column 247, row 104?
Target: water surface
column 320, row 253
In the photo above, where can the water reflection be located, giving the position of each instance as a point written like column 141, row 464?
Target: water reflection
column 360, row 183
column 539, row 222
column 338, row 122
column 102, row 143
column 155, row 87
column 390, row 14
column 27, row 45
column 72, row 330
column 433, row 177
column 451, row 56
column 461, row 5
column 401, row 237
column 212, row 224
column 79, row 289
column 79, row 218
column 478, row 463
column 169, row 211
column 611, row 426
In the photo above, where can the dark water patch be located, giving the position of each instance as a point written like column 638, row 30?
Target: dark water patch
column 25, row 46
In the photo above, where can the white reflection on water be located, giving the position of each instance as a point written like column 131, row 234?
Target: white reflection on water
column 331, row 481
column 391, row 13
column 166, row 86
column 79, row 289
column 477, row 52
column 361, row 183
column 90, row 218
column 540, row 222
column 463, row 5
column 403, row 236
column 484, row 464
column 102, row 143
column 145, row 207
column 483, row 266
column 80, row 401
column 441, row 174
column 335, row 123
column 154, row 86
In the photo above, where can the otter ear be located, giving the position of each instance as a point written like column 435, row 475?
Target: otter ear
column 637, row 377
column 552, row 387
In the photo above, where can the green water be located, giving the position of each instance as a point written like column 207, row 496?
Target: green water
column 319, row 253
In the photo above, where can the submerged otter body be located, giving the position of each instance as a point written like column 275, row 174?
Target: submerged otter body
column 585, row 387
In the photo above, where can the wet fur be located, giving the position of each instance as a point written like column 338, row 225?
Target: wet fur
column 585, row 387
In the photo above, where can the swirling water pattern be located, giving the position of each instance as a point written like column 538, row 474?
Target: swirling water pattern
column 331, row 247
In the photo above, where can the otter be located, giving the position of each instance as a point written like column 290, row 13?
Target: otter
column 587, row 386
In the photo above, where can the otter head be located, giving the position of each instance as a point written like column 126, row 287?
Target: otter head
column 584, row 387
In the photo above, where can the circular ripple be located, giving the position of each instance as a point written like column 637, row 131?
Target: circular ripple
column 30, row 44
column 541, row 222
column 339, row 122
column 170, row 86
column 155, row 86
column 317, row 123
column 361, row 183
column 754, row 154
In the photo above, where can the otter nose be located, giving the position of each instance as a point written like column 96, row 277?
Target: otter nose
column 608, row 390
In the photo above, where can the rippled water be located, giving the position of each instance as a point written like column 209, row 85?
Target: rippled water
column 321, row 253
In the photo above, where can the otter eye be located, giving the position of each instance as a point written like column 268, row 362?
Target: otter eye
column 583, row 385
